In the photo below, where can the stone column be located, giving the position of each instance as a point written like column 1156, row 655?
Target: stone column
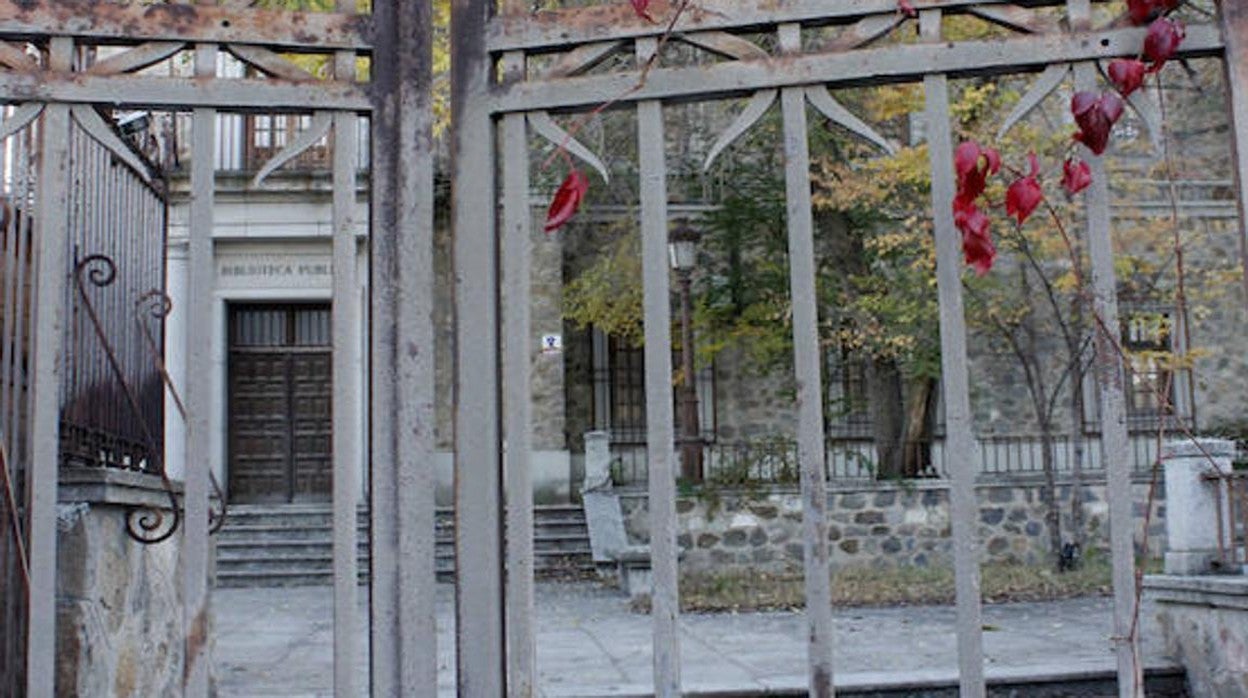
column 175, row 356
column 1193, row 503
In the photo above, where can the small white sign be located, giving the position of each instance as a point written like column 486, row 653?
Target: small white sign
column 552, row 343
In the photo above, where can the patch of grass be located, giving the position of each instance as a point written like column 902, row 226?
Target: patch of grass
column 749, row 590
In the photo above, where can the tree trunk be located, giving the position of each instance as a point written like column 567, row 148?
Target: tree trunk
column 1076, row 466
column 888, row 417
column 1052, row 508
column 917, row 442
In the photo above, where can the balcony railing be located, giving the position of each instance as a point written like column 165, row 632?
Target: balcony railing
column 1232, row 519
column 774, row 461
column 246, row 142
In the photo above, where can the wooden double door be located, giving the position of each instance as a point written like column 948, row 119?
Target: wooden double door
column 280, row 387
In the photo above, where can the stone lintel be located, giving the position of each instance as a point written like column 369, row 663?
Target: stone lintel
column 1209, row 591
column 1198, row 448
column 113, row 486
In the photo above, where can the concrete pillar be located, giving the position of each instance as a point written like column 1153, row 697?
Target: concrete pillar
column 175, row 357
column 597, row 461
column 1193, row 502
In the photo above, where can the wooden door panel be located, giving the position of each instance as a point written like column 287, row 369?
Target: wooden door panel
column 280, row 404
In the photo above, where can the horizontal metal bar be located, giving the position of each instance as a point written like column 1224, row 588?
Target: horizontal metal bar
column 135, row 23
column 899, row 63
column 617, row 20
column 184, row 93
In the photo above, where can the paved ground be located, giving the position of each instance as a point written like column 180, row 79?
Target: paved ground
column 277, row 642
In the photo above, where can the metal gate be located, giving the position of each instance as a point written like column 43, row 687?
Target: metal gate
column 515, row 67
column 68, row 65
column 498, row 94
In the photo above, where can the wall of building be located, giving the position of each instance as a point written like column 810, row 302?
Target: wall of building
column 879, row 525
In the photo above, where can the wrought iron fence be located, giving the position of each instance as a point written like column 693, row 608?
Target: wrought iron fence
column 774, row 461
column 17, row 183
column 1232, row 519
column 112, row 401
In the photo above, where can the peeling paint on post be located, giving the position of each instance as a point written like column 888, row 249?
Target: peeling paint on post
column 807, row 356
column 200, row 283
column 48, row 365
column 660, row 433
column 480, row 642
column 963, row 510
column 1115, row 446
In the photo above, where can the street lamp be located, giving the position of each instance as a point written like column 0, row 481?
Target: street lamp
column 682, row 250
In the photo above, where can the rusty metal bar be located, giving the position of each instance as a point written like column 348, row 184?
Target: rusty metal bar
column 139, row 23
column 480, row 642
column 807, row 356
column 664, row 598
column 615, row 21
column 403, row 632
column 517, row 395
column 47, row 356
column 1235, row 32
column 199, row 441
column 883, row 65
column 1115, row 445
column 345, row 326
column 960, row 439
column 142, row 91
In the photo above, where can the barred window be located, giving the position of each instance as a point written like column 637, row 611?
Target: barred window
column 1147, row 335
column 620, row 392
column 846, row 401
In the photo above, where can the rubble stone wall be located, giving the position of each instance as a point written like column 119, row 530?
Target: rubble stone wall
column 879, row 525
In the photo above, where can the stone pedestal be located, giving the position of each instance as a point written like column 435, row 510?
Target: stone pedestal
column 1193, row 503
column 119, row 601
column 597, row 461
column 1204, row 621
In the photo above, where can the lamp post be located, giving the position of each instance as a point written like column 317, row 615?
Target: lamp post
column 682, row 248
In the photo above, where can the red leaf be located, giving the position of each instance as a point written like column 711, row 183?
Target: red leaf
column 1127, row 74
column 642, row 8
column 907, row 8
column 1096, row 116
column 1163, row 40
column 977, row 246
column 1142, row 12
column 567, row 200
column 1025, row 194
column 1076, row 176
column 974, row 165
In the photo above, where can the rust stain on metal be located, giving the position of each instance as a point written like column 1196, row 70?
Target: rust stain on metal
column 175, row 17
column 196, row 641
column 199, row 22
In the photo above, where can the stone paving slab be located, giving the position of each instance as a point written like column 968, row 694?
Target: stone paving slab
column 277, row 642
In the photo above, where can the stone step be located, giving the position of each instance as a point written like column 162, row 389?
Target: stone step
column 292, row 545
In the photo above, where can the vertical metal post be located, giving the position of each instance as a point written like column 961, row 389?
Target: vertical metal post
column 47, row 355
column 1115, row 444
column 963, row 510
column 660, row 434
column 199, row 385
column 1235, row 33
column 480, row 638
column 346, row 331
column 403, row 632
column 517, row 394
column 811, row 453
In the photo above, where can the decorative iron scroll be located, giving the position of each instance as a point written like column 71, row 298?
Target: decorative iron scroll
column 145, row 524
column 157, row 304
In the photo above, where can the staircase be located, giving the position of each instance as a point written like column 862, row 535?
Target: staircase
column 292, row 544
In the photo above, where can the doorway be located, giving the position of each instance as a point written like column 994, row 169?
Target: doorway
column 280, row 387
